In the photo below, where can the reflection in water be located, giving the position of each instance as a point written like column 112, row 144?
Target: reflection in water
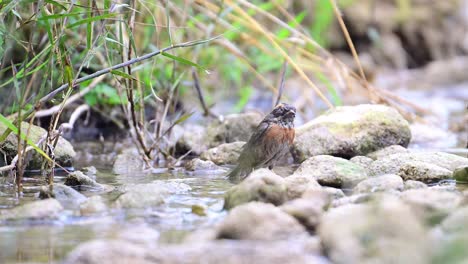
column 46, row 240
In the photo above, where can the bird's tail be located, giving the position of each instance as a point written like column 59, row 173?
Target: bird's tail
column 237, row 174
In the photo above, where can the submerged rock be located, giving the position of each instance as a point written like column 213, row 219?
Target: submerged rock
column 332, row 171
column 149, row 194
column 227, row 153
column 63, row 153
column 350, row 131
column 373, row 233
column 94, row 204
column 258, row 221
column 208, row 166
column 261, row 185
column 64, row 194
column 388, row 182
column 393, row 163
column 48, row 208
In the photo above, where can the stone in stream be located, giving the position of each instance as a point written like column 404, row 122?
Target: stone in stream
column 79, row 179
column 128, row 162
column 42, row 209
column 332, row 171
column 93, row 205
column 211, row 252
column 63, row 153
column 296, row 185
column 461, row 174
column 66, row 195
column 308, row 210
column 349, row 131
column 382, row 183
column 384, row 231
column 392, row 164
column 207, row 166
column 227, row 153
column 410, row 184
column 149, row 194
column 261, row 185
column 258, row 221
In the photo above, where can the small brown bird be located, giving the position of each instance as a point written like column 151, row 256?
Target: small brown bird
column 269, row 143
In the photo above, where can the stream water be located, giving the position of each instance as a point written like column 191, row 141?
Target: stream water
column 48, row 241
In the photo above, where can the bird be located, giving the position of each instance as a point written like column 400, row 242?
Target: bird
column 270, row 141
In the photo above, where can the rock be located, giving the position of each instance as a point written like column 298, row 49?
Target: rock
column 80, row 180
column 456, row 222
column 422, row 171
column 380, row 184
column 235, row 127
column 296, row 185
column 64, row 152
column 333, row 193
column 332, row 171
column 350, row 131
column 90, row 171
column 94, row 204
column 149, row 194
column 47, row 208
column 362, row 161
column 372, row 233
column 208, row 166
column 431, row 204
column 461, row 174
column 258, row 221
column 393, row 163
column 308, row 211
column 66, row 195
column 410, row 184
column 261, row 185
column 227, row 153
column 193, row 139
column 128, row 162
column 352, row 199
column 109, row 251
column 382, row 153
column 211, row 252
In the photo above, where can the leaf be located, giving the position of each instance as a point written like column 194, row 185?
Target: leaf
column 184, row 61
column 14, row 129
column 90, row 19
column 123, row 74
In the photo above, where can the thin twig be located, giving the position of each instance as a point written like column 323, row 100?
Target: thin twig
column 281, row 84
column 196, row 84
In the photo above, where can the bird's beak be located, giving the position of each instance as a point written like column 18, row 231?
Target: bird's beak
column 291, row 113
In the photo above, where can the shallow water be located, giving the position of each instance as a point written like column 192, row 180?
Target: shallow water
column 49, row 241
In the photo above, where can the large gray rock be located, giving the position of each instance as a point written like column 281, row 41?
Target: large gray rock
column 259, row 221
column 193, row 138
column 388, row 182
column 308, row 211
column 227, row 153
column 235, row 127
column 261, row 185
column 48, row 208
column 332, row 171
column 350, row 131
column 128, row 162
column 373, row 233
column 63, row 153
column 149, row 194
column 393, row 163
column 212, row 252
